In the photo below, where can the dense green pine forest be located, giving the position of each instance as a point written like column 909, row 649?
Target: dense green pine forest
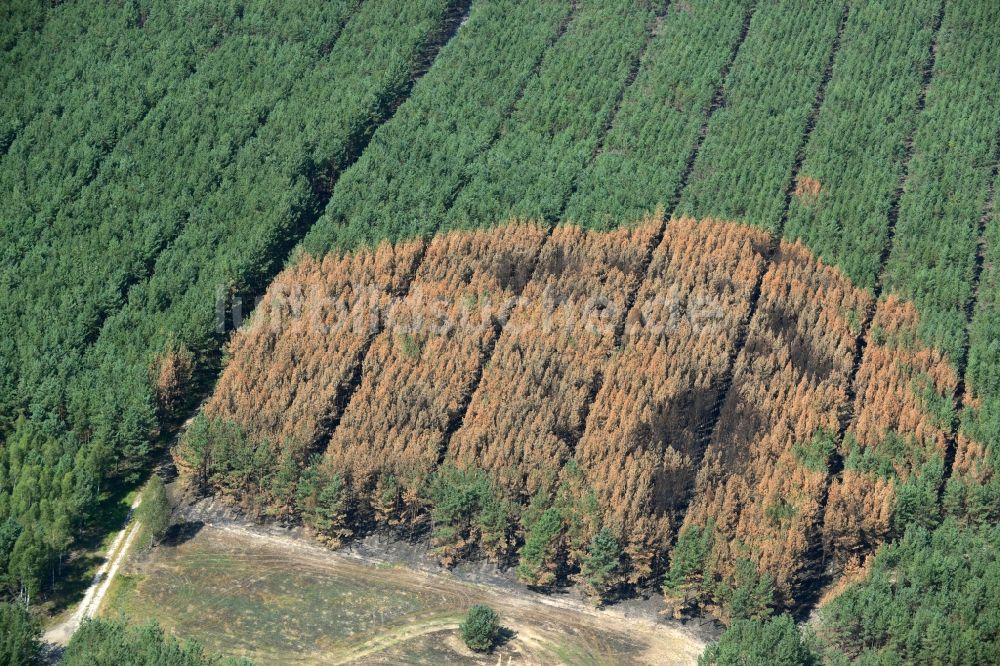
column 819, row 470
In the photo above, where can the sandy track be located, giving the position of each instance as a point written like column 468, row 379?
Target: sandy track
column 391, row 638
column 60, row 634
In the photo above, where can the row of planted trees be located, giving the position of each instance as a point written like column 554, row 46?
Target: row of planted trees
column 902, row 520
column 381, row 465
column 164, row 172
column 508, row 367
column 896, row 449
column 202, row 179
column 204, row 167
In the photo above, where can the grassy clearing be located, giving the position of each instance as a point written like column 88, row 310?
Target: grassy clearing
column 289, row 603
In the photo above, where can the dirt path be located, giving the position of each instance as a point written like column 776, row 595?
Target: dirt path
column 386, row 640
column 60, row 634
column 534, row 618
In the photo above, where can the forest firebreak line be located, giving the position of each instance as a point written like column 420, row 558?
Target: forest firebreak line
column 654, row 242
column 714, row 419
column 326, row 431
column 327, row 175
column 893, row 216
column 463, row 180
column 634, row 67
column 658, row 237
column 149, row 266
column 633, row 72
column 619, row 332
column 861, row 341
column 212, row 369
column 451, row 26
column 325, row 180
column 458, row 421
column 714, row 105
column 330, row 421
column 970, row 310
column 703, row 430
